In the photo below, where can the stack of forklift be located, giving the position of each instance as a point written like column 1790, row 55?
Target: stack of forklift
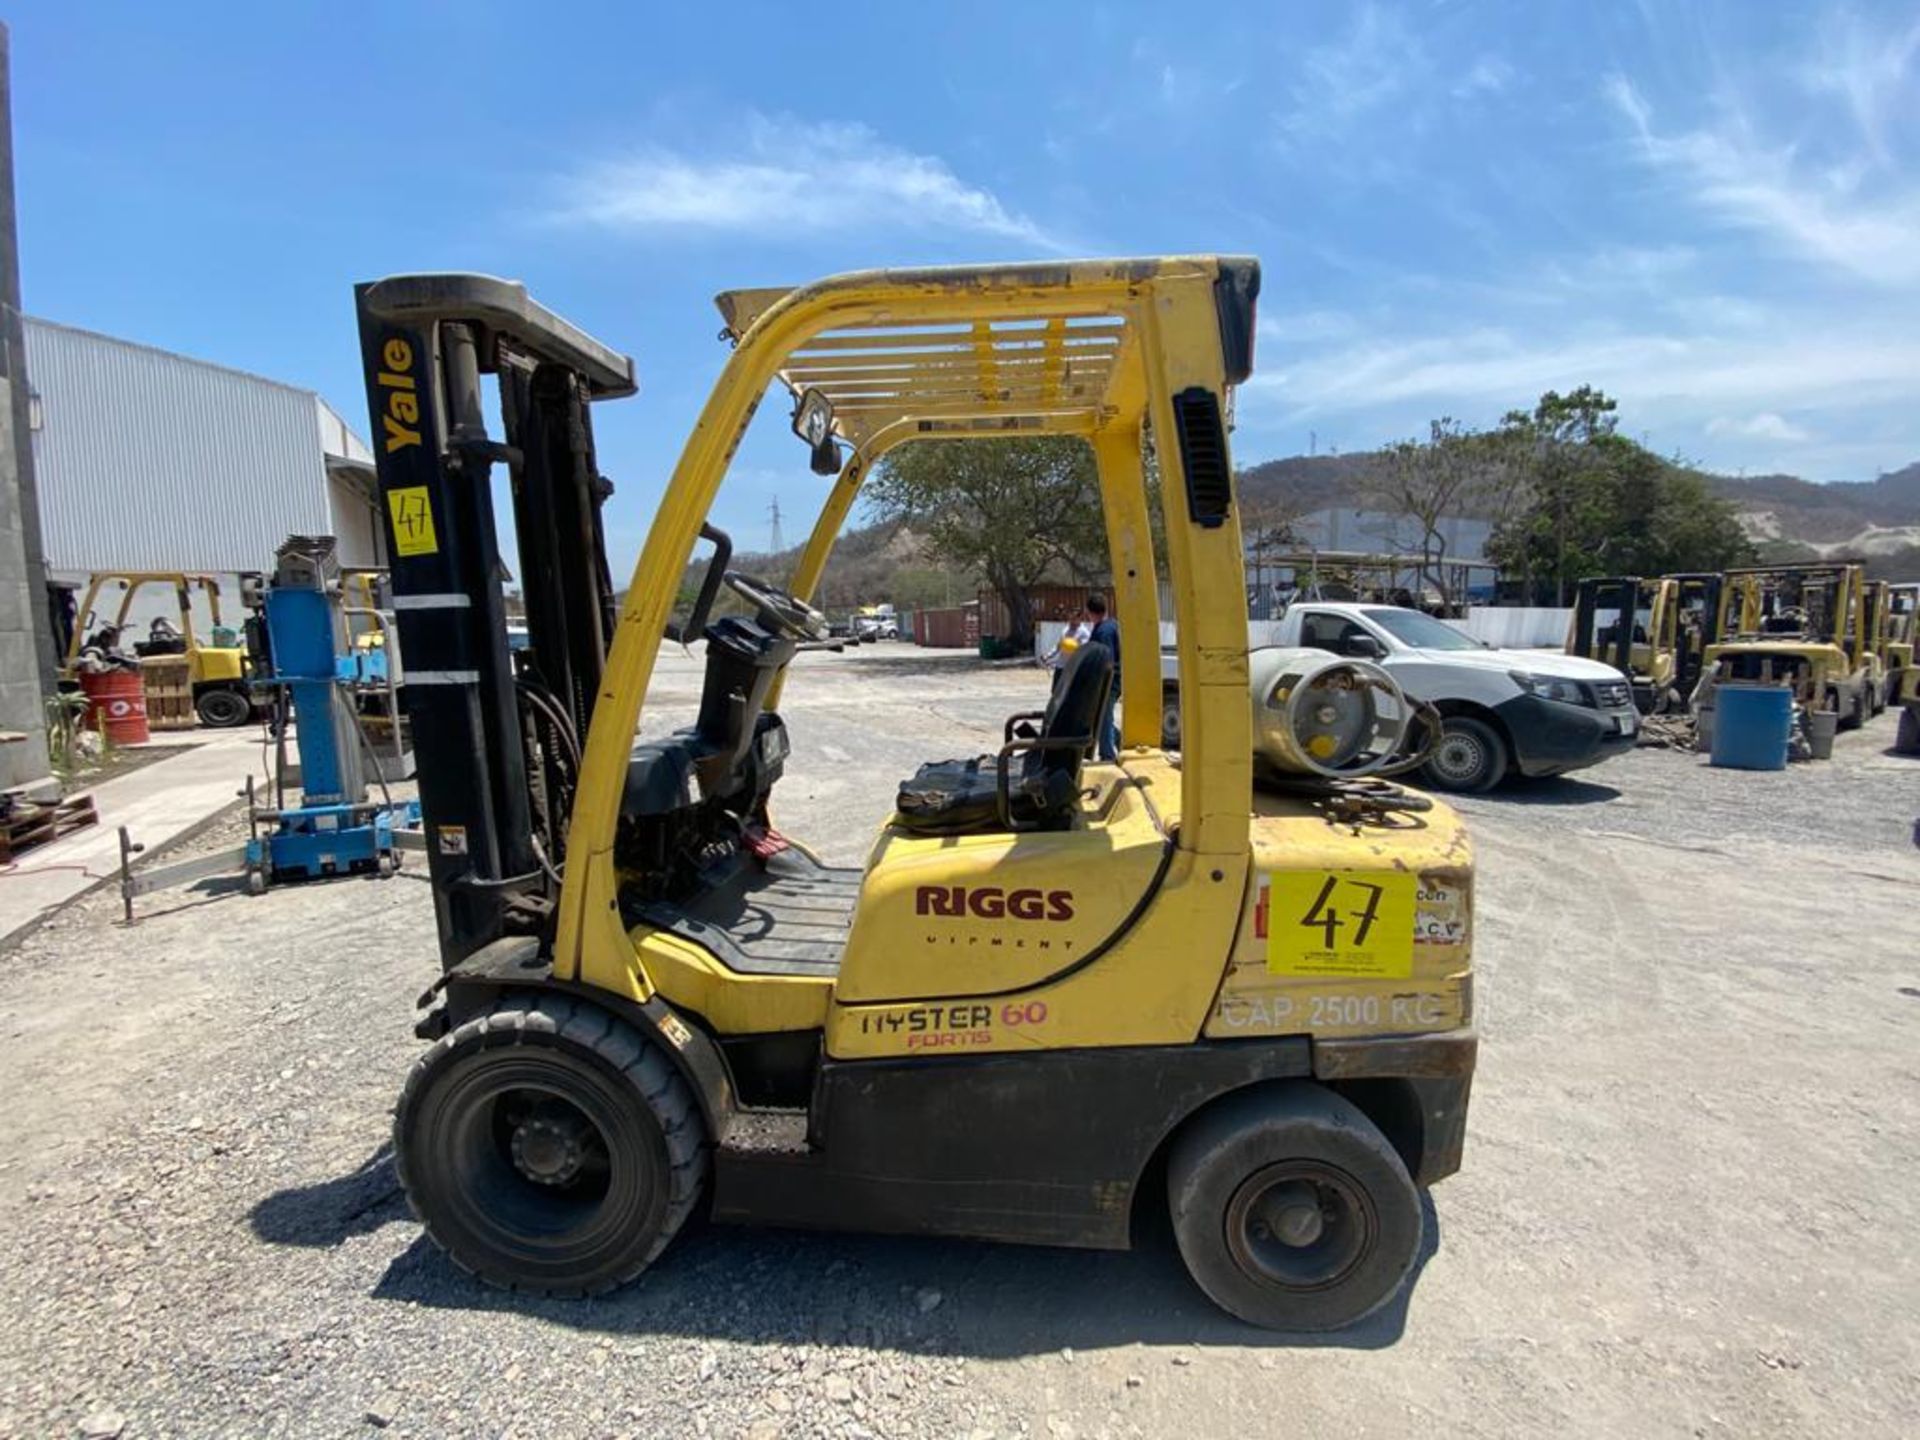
column 1842, row 645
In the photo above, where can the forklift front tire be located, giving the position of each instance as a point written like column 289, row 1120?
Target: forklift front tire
column 222, row 709
column 548, row 1148
column 1291, row 1209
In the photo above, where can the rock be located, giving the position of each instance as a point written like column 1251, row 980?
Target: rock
column 764, row 1430
column 1067, row 1354
column 839, row 1389
column 1059, row 1428
column 1181, row 1359
column 378, row 1419
column 779, row 1402
column 1134, row 1382
column 103, row 1425
column 709, row 1362
column 928, row 1300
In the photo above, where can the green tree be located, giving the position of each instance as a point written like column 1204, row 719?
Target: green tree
column 1016, row 512
column 1593, row 502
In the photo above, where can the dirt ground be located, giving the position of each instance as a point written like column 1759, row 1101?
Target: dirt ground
column 1688, row 1205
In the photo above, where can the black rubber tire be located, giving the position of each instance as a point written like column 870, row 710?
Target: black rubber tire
column 459, row 1171
column 1906, row 739
column 222, row 709
column 1169, row 718
column 1238, row 1151
column 1487, row 771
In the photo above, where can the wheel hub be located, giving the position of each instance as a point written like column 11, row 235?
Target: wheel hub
column 1300, row 1225
column 549, row 1149
column 1293, row 1214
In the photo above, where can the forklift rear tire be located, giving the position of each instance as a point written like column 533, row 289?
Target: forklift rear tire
column 548, row 1148
column 1291, row 1209
column 1169, row 719
column 222, row 709
column 1469, row 757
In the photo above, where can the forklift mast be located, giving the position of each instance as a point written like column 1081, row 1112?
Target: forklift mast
column 1621, row 594
column 496, row 740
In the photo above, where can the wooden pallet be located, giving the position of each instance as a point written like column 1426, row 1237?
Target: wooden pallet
column 169, row 693
column 27, row 823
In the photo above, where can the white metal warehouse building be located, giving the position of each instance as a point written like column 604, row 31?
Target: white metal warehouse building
column 147, row 460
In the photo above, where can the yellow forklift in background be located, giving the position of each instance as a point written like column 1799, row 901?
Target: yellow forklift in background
column 217, row 667
column 1058, row 995
column 1655, row 632
column 1802, row 625
column 1903, row 618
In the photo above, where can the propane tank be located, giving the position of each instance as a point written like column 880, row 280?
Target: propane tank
column 1324, row 715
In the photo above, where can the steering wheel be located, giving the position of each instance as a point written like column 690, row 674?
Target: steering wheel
column 788, row 614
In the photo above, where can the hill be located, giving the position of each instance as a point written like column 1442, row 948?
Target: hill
column 1876, row 519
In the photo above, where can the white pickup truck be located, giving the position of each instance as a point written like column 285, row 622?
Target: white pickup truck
column 1533, row 712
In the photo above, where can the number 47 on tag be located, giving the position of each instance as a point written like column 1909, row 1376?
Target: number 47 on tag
column 1340, row 922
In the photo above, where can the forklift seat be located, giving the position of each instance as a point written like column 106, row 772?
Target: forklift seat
column 1034, row 782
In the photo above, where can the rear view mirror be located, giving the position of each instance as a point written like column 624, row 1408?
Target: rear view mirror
column 813, row 423
column 1364, row 647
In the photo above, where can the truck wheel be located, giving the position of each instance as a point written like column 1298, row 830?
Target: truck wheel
column 549, row 1148
column 222, row 709
column 1907, row 739
column 1291, row 1210
column 1469, row 756
column 1169, row 719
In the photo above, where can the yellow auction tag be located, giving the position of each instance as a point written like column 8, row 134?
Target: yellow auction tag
column 1340, row 922
column 412, row 521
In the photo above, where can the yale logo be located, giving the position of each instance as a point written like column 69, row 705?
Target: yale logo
column 990, row 902
column 402, row 417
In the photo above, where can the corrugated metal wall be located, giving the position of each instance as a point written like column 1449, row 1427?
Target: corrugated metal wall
column 152, row 461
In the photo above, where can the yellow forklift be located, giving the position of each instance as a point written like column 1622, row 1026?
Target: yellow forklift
column 1903, row 617
column 1655, row 632
column 1059, row 996
column 217, row 666
column 1803, row 625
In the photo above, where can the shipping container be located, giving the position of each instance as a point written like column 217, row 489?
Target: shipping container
column 954, row 628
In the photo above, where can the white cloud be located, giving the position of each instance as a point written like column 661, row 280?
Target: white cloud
column 1867, row 69
column 1767, row 425
column 1489, row 76
column 789, row 175
column 1340, row 83
column 1819, row 210
column 1670, row 384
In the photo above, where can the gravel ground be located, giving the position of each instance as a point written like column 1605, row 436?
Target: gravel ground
column 1687, row 1207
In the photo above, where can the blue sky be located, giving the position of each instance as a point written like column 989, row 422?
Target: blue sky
column 1711, row 210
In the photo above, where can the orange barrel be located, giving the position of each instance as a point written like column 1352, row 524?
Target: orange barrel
column 117, row 705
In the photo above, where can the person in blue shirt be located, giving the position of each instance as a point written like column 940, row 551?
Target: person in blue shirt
column 1106, row 631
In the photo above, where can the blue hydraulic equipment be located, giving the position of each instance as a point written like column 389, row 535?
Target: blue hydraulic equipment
column 335, row 829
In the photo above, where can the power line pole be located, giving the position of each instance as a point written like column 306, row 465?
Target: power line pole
column 775, row 541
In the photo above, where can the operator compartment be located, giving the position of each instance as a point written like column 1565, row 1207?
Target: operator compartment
column 697, row 855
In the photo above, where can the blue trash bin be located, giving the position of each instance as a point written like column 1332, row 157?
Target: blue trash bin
column 1752, row 726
